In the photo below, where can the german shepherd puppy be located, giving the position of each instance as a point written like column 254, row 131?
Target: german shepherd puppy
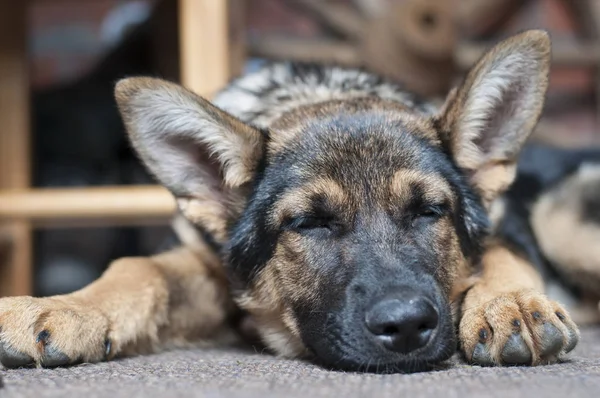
column 349, row 221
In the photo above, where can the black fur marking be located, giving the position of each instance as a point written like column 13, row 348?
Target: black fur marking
column 514, row 228
column 281, row 82
column 251, row 244
column 590, row 206
column 540, row 169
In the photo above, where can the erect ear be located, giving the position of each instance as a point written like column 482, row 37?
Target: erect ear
column 202, row 154
column 486, row 121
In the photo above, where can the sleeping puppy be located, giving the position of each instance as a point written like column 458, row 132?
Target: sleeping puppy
column 351, row 222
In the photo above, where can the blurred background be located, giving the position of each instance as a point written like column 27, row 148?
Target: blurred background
column 70, row 135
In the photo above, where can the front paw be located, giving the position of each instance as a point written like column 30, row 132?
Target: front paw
column 520, row 328
column 53, row 331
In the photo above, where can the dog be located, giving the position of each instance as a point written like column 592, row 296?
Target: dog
column 344, row 220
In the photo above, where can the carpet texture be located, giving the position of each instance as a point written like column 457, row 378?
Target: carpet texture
column 234, row 373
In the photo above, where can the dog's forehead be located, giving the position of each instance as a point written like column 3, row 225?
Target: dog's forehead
column 337, row 122
column 353, row 137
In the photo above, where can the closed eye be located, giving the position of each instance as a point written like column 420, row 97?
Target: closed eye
column 311, row 225
column 310, row 222
column 427, row 214
column 430, row 211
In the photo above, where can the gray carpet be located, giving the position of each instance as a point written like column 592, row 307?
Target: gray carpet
column 231, row 373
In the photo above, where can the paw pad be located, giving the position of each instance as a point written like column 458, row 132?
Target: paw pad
column 53, row 357
column 482, row 356
column 552, row 340
column 573, row 340
column 515, row 351
column 11, row 358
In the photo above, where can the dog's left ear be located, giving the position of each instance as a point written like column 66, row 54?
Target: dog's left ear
column 486, row 121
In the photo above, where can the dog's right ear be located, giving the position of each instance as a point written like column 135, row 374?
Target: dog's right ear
column 202, row 154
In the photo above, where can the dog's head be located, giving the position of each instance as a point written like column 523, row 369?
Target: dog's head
column 349, row 225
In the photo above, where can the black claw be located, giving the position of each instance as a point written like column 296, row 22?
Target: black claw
column 560, row 315
column 107, row 347
column 483, row 335
column 14, row 359
column 42, row 337
column 572, row 341
column 481, row 356
column 536, row 315
column 552, row 340
column 53, row 357
column 516, row 323
column 515, row 351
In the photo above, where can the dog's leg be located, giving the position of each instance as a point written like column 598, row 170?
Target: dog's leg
column 566, row 223
column 139, row 305
column 506, row 318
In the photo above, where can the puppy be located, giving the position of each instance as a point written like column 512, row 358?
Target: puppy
column 353, row 223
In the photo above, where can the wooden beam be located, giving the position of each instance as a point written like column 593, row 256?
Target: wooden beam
column 16, row 274
column 578, row 54
column 204, row 45
column 105, row 204
column 237, row 27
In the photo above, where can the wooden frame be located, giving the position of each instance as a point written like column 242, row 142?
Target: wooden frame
column 16, row 276
column 97, row 205
column 206, row 65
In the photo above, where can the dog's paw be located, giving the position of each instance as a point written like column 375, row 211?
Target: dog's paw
column 51, row 332
column 521, row 328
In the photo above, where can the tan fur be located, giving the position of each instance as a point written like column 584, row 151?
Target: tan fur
column 435, row 189
column 282, row 282
column 272, row 315
column 494, row 179
column 139, row 304
column 508, row 290
column 496, row 212
column 299, row 201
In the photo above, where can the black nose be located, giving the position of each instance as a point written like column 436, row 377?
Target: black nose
column 402, row 322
